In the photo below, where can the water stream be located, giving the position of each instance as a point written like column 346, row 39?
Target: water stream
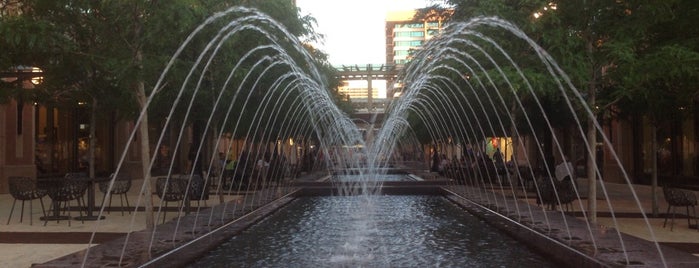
column 460, row 86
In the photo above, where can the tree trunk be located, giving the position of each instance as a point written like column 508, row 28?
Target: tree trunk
column 143, row 126
column 591, row 170
column 592, row 136
column 145, row 159
column 92, row 137
column 654, row 171
column 548, row 160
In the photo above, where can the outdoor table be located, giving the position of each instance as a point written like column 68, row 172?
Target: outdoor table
column 91, row 198
column 50, row 184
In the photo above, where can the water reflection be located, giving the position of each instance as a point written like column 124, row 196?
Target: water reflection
column 378, row 231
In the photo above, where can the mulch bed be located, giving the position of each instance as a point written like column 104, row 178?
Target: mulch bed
column 56, row 237
column 687, row 247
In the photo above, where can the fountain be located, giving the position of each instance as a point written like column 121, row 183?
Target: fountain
column 376, row 231
column 274, row 93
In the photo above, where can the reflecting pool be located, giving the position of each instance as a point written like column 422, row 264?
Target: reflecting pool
column 376, row 231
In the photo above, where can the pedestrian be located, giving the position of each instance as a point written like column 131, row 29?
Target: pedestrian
column 565, row 170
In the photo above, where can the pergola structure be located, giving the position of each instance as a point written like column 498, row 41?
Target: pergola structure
column 369, row 72
column 20, row 75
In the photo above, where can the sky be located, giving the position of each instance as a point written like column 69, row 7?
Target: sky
column 354, row 29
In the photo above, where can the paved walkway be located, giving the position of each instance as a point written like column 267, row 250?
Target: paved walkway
column 628, row 218
column 22, row 244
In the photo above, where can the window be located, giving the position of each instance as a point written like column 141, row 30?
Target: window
column 410, row 34
column 401, row 61
column 409, row 25
column 401, row 53
column 414, row 43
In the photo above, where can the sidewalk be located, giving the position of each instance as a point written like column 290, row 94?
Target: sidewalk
column 627, row 215
column 22, row 244
column 631, row 221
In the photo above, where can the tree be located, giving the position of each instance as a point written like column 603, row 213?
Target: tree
column 611, row 50
column 111, row 53
column 657, row 69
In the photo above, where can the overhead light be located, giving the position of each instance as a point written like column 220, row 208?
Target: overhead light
column 37, row 80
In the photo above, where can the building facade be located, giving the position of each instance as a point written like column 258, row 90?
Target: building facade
column 405, row 33
column 16, row 142
column 355, row 90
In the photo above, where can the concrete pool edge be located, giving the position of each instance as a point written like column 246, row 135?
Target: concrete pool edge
column 176, row 245
column 542, row 244
column 186, row 246
column 196, row 247
column 567, row 238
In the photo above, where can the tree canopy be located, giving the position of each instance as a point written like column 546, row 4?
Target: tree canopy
column 87, row 49
column 625, row 57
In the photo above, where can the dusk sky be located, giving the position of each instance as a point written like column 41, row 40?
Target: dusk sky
column 354, row 30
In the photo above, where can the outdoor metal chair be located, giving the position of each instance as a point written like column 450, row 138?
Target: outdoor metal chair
column 170, row 190
column 25, row 189
column 121, row 188
column 566, row 194
column 679, row 198
column 545, row 194
column 198, row 189
column 554, row 192
column 63, row 193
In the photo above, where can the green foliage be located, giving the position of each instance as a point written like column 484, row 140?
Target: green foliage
column 87, row 50
column 640, row 56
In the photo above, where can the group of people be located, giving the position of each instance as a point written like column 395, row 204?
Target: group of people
column 564, row 170
column 471, row 159
column 243, row 170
